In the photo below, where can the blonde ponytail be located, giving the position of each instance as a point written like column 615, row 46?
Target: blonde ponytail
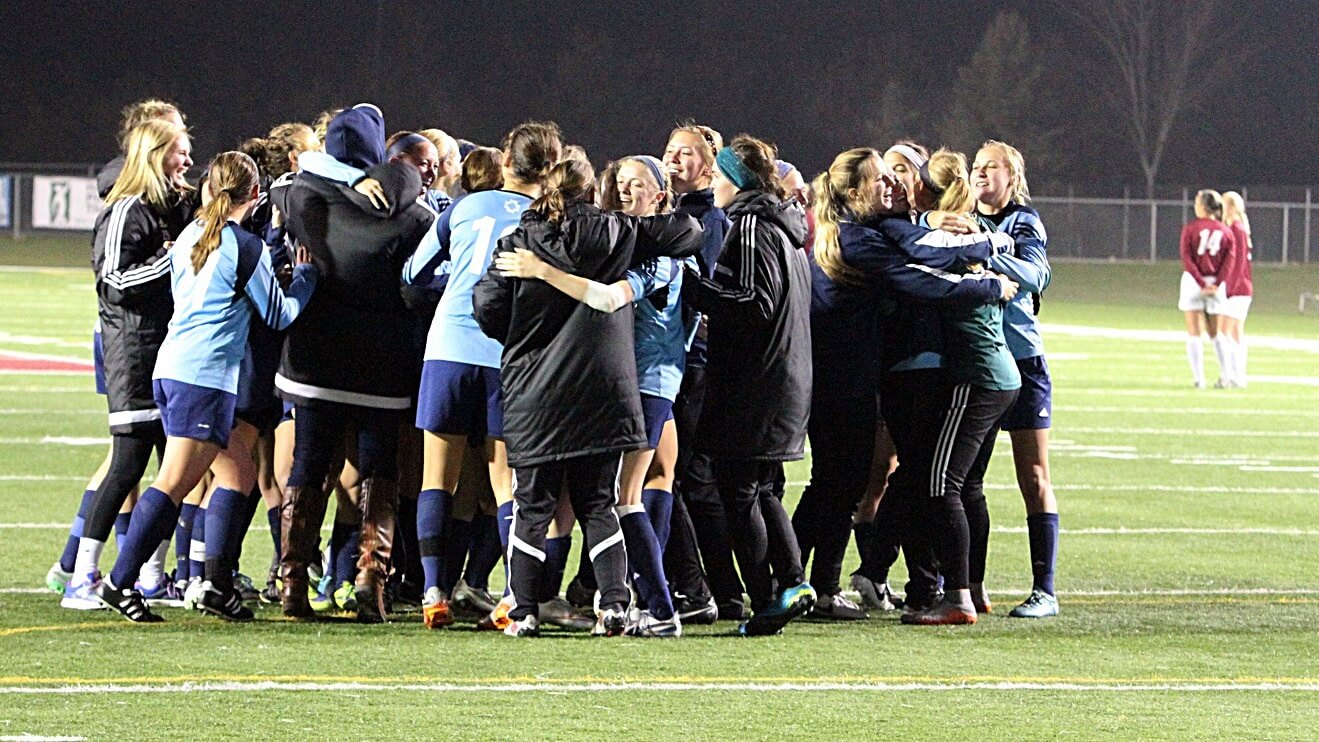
column 232, row 177
column 948, row 171
column 854, row 170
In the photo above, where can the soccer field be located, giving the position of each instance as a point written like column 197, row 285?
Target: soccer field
column 1188, row 579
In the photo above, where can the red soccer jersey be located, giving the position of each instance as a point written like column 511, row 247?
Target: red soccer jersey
column 1207, row 251
column 1240, row 283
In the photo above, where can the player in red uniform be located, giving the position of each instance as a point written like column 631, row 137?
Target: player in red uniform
column 1231, row 317
column 1207, row 256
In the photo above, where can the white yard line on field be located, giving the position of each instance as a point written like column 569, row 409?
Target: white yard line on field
column 1203, row 432
column 1207, row 489
column 1245, row 412
column 58, row 440
column 9, row 338
column 1174, row 336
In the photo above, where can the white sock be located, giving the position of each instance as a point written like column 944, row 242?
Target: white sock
column 1195, row 353
column 1241, row 362
column 89, row 557
column 197, row 551
column 153, row 572
column 1223, row 349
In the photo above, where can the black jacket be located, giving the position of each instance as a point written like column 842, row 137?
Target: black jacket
column 131, row 261
column 354, row 342
column 568, row 372
column 758, row 377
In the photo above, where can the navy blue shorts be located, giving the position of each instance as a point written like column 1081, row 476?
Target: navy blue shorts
column 655, row 411
column 1034, row 407
column 460, row 399
column 98, row 362
column 197, row 412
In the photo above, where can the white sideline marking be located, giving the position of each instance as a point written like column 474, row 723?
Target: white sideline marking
column 607, row 687
column 1256, row 467
column 1199, row 432
column 61, row 440
column 1166, row 393
column 31, row 411
column 1174, row 336
column 39, row 478
column 1225, row 411
column 35, row 738
column 51, row 269
column 1303, row 380
column 1148, row 488
column 1131, row 531
column 47, row 389
column 7, row 337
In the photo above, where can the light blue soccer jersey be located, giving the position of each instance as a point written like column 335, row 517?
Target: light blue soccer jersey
column 660, row 336
column 213, row 307
column 465, row 235
column 1028, row 265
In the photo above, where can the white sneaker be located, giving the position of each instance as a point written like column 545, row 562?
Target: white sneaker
column 193, row 594
column 80, row 595
column 650, row 627
column 57, row 579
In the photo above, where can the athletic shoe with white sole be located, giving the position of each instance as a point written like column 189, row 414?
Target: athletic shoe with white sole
column 694, row 611
column 246, row 588
column 791, row 603
column 192, row 594
column 497, row 620
column 527, row 628
column 227, row 605
column 472, row 599
column 435, row 610
column 942, row 613
column 129, row 602
column 57, row 579
column 649, row 627
column 163, row 595
column 837, row 607
column 610, row 622
column 1039, row 605
column 80, row 595
column 875, row 595
column 346, row 597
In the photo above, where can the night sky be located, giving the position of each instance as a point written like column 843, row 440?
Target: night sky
column 806, row 75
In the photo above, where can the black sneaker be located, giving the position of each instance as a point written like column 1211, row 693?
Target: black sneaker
column 129, row 602
column 697, row 611
column 837, row 608
column 227, row 605
column 579, row 595
column 733, row 610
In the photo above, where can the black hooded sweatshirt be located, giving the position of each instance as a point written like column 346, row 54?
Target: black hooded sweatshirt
column 569, row 372
column 758, row 377
column 355, row 342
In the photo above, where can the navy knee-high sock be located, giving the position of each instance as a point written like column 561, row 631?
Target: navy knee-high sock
column 197, row 545
column 276, row 530
column 505, row 518
column 1043, row 531
column 183, row 541
column 155, row 517
column 659, row 506
column 121, row 523
column 70, row 554
column 243, row 524
column 457, row 540
column 556, row 561
column 432, row 511
column 485, row 551
column 225, row 507
column 645, row 563
column 344, row 539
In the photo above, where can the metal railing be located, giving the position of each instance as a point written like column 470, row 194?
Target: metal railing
column 1150, row 229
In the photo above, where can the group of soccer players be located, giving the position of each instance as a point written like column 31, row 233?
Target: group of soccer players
column 473, row 349
column 1217, row 285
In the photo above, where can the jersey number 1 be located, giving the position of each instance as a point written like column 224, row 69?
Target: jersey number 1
column 485, row 242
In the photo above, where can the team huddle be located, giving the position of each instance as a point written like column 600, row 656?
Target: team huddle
column 474, row 349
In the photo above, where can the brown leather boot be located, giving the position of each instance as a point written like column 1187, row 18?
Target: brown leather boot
column 379, row 506
column 301, row 513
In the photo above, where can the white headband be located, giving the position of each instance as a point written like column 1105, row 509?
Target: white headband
column 909, row 153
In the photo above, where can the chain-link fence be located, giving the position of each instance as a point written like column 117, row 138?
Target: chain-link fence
column 1150, row 229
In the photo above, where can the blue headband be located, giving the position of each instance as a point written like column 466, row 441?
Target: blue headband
column 656, row 169
column 736, row 171
column 404, row 143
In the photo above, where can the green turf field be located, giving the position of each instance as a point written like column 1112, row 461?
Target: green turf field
column 1189, row 579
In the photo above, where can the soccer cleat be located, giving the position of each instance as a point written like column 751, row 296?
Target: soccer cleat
column 129, row 602
column 836, row 607
column 435, row 610
column 791, row 603
column 346, row 597
column 228, row 606
column 528, row 627
column 57, row 579
column 941, row 614
column 270, row 595
column 610, row 622
column 980, row 599
column 694, row 611
column 560, row 612
column 1039, row 605
column 245, row 587
column 649, row 627
column 192, row 594
column 472, row 599
column 579, row 594
column 81, row 595
column 732, row 610
column 497, row 620
column 164, row 595
column 323, row 603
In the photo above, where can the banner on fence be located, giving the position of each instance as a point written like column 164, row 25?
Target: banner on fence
column 64, row 202
column 6, row 201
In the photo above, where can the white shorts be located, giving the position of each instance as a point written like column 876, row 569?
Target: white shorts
column 1235, row 307
column 1193, row 301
